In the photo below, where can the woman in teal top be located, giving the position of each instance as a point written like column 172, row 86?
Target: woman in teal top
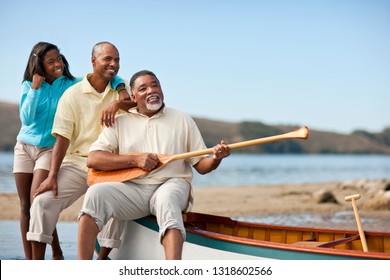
column 46, row 78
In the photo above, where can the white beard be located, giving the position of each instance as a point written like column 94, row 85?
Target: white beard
column 154, row 106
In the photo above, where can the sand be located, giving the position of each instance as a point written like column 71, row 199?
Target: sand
column 287, row 199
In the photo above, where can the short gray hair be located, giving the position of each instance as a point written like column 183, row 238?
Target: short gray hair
column 140, row 74
column 98, row 47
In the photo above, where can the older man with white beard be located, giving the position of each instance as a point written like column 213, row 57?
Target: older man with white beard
column 148, row 129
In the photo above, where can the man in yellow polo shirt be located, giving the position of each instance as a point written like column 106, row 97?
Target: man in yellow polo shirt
column 147, row 129
column 76, row 127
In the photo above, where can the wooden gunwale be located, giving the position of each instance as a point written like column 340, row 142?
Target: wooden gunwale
column 197, row 224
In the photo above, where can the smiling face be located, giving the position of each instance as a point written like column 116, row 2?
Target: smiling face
column 148, row 94
column 53, row 65
column 105, row 61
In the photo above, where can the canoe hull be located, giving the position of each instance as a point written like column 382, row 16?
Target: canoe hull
column 140, row 241
column 144, row 245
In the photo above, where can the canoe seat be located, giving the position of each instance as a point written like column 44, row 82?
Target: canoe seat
column 328, row 244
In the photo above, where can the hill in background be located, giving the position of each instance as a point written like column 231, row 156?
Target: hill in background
column 213, row 131
column 9, row 125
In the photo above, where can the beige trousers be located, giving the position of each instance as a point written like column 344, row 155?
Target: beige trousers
column 114, row 203
column 45, row 209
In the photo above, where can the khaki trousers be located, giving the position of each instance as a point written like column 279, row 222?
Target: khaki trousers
column 114, row 203
column 45, row 209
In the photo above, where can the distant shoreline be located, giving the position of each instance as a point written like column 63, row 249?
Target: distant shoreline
column 254, row 200
column 319, row 142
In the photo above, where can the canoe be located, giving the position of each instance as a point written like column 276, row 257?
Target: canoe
column 215, row 237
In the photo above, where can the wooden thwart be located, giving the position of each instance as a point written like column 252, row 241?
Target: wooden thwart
column 326, row 244
column 121, row 175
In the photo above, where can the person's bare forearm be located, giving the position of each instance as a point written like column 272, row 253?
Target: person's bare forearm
column 58, row 154
column 125, row 105
column 106, row 161
column 206, row 165
column 103, row 160
column 59, row 151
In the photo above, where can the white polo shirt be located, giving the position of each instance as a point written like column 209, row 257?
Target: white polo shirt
column 168, row 132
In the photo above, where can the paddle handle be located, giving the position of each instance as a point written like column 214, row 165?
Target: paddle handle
column 97, row 176
column 353, row 199
column 301, row 133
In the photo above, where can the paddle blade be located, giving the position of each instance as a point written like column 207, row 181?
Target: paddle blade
column 121, row 175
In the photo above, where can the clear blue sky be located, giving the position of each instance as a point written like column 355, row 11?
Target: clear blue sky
column 325, row 64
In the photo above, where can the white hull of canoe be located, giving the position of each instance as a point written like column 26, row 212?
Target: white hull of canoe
column 142, row 243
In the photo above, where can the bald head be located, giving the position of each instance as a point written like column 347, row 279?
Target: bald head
column 97, row 48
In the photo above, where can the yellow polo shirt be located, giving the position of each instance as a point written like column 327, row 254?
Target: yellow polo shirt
column 78, row 119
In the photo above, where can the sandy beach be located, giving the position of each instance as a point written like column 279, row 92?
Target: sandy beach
column 262, row 201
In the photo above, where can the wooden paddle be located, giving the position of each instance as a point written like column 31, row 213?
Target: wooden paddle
column 353, row 198
column 121, row 175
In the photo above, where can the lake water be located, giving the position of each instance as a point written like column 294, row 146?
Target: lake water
column 237, row 170
column 277, row 169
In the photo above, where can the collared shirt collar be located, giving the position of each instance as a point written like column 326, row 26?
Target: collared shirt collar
column 88, row 88
column 160, row 113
